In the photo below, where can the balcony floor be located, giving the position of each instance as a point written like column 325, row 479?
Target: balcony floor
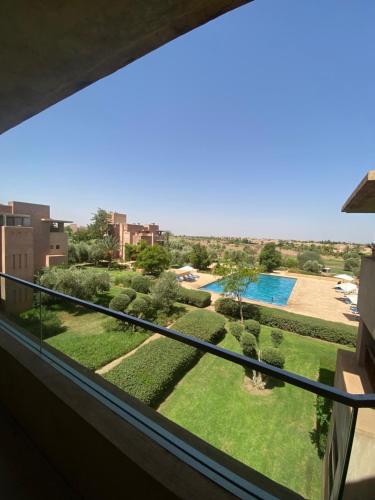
column 25, row 473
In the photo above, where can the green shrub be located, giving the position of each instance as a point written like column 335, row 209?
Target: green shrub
column 312, row 266
column 151, row 373
column 236, row 328
column 116, row 325
column 120, row 302
column 165, row 292
column 228, row 307
column 142, row 308
column 273, row 357
column 124, row 279
column 81, row 283
column 252, row 326
column 291, row 322
column 277, row 337
column 309, row 255
column 197, row 298
column 249, row 345
column 129, row 292
column 141, row 284
column 51, row 323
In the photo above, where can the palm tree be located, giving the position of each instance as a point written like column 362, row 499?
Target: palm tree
column 110, row 247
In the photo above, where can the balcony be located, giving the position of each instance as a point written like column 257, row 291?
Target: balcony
column 100, row 440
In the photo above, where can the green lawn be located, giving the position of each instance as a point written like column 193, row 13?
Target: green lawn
column 86, row 341
column 270, row 432
column 335, row 263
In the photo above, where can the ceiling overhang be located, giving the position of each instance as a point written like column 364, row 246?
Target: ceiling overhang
column 51, row 49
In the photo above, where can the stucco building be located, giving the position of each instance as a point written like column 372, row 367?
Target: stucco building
column 29, row 241
column 133, row 233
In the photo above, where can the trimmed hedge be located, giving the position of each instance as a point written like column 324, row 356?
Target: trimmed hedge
column 197, row 298
column 141, row 284
column 151, row 373
column 273, row 357
column 129, row 292
column 249, row 345
column 236, row 328
column 291, row 322
column 252, row 326
column 120, row 302
column 277, row 337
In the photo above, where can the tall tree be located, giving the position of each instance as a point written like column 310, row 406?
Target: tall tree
column 270, row 258
column 199, row 256
column 153, row 260
column 99, row 224
column 110, row 246
column 238, row 276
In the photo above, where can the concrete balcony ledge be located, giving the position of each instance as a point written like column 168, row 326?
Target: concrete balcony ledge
column 99, row 452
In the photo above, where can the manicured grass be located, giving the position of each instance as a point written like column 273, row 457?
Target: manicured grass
column 335, row 263
column 86, row 341
column 271, row 433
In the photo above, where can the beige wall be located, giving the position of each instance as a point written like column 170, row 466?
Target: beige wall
column 17, row 259
column 5, row 209
column 117, row 218
column 366, row 299
column 60, row 240
column 41, row 229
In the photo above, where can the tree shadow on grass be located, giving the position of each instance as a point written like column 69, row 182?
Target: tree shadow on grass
column 272, row 382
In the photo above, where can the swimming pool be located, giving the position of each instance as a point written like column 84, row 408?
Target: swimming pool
column 271, row 289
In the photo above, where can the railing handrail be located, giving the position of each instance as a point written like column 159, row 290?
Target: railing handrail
column 338, row 395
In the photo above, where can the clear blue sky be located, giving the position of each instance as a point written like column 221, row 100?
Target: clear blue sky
column 260, row 123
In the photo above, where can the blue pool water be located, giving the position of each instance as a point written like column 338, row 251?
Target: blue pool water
column 271, row 289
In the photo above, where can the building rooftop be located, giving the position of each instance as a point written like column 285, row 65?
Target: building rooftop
column 362, row 200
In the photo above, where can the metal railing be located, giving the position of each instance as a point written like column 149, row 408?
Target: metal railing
column 354, row 401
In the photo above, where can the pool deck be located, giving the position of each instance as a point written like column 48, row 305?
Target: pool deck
column 311, row 296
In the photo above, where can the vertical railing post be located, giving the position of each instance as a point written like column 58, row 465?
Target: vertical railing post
column 40, row 322
column 348, row 451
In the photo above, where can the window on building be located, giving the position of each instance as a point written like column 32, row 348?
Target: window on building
column 1, row 220
column 10, row 221
column 26, row 263
column 19, row 261
column 51, row 247
column 14, row 261
column 18, row 221
column 26, row 221
column 57, row 247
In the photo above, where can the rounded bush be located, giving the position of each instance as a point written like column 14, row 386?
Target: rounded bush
column 249, row 345
column 116, row 325
column 236, row 329
column 277, row 337
column 140, row 307
column 141, row 284
column 228, row 307
column 120, row 302
column 273, row 357
column 253, row 327
column 197, row 298
column 312, row 266
column 129, row 292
